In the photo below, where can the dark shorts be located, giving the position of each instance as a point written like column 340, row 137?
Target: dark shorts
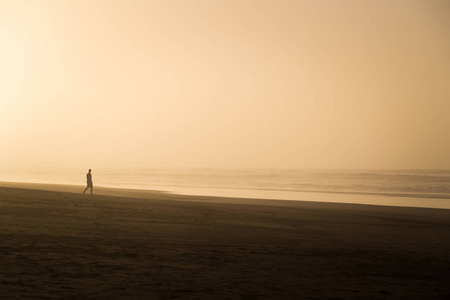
column 89, row 184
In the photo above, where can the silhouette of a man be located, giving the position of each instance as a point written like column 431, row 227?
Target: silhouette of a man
column 89, row 182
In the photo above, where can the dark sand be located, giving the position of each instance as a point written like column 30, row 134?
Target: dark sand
column 149, row 245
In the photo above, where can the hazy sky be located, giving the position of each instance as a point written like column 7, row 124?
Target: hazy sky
column 291, row 84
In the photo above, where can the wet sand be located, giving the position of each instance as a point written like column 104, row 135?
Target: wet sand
column 127, row 244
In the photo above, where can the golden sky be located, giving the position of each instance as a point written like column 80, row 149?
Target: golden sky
column 238, row 83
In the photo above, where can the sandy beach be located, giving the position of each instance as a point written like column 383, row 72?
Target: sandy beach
column 57, row 243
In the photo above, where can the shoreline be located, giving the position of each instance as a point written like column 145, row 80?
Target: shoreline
column 63, row 244
column 316, row 197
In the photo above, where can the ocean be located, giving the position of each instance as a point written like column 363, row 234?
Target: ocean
column 416, row 188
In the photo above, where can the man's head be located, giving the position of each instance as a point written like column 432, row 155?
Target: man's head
column 89, row 170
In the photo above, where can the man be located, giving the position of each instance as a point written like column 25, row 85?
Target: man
column 89, row 181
